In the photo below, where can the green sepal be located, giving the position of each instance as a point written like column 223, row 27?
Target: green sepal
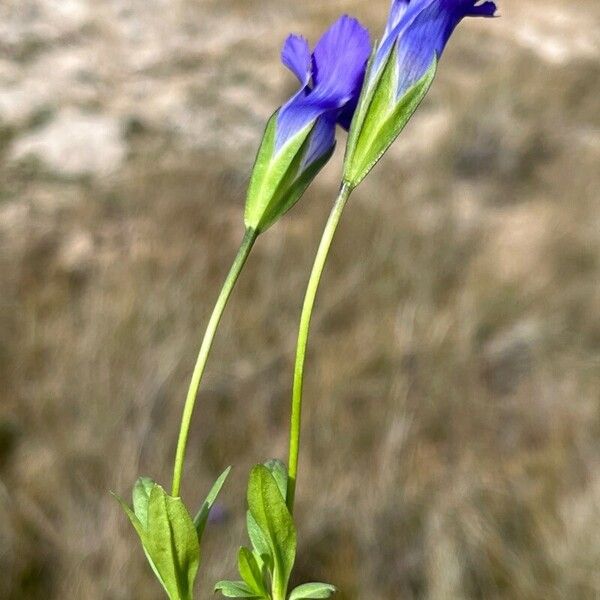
column 201, row 517
column 277, row 180
column 360, row 113
column 381, row 117
column 235, row 589
column 312, row 591
column 168, row 537
column 272, row 516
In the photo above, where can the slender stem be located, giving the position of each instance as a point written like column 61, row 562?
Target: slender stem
column 307, row 309
column 190, row 401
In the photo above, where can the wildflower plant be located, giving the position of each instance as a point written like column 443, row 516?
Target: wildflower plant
column 374, row 99
column 298, row 141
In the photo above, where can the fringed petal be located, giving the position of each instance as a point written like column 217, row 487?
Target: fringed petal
column 338, row 68
column 296, row 56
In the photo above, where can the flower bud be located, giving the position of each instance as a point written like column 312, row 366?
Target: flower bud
column 300, row 136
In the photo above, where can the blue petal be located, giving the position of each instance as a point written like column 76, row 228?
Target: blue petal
column 322, row 140
column 346, row 115
column 295, row 55
column 339, row 62
column 397, row 11
column 422, row 33
column 299, row 112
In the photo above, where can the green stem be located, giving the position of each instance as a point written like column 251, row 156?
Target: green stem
column 190, row 401
column 303, row 330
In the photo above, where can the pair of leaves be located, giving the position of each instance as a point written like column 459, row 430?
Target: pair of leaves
column 381, row 116
column 169, row 535
column 265, row 570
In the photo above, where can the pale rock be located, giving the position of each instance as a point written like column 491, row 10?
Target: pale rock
column 75, row 143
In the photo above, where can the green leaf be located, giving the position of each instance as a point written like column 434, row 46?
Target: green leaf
column 312, row 591
column 168, row 537
column 250, row 571
column 172, row 543
column 260, row 547
column 141, row 497
column 280, row 474
column 140, row 529
column 235, row 589
column 381, row 117
column 259, row 543
column 142, row 534
column 130, row 514
column 201, row 518
column 268, row 508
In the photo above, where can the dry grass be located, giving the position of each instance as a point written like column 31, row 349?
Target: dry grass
column 452, row 400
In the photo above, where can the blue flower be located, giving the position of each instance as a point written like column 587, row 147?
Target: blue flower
column 421, row 29
column 400, row 75
column 300, row 136
column 331, row 80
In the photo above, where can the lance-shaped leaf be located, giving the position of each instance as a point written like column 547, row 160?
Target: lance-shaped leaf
column 272, row 516
column 259, row 543
column 312, row 591
column 280, row 474
column 168, row 536
column 201, row 517
column 172, row 543
column 141, row 498
column 235, row 589
column 260, row 547
column 251, row 573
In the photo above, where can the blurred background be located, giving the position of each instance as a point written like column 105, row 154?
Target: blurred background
column 452, row 423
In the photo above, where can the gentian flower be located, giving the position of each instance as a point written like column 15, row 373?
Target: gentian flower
column 300, row 136
column 400, row 74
